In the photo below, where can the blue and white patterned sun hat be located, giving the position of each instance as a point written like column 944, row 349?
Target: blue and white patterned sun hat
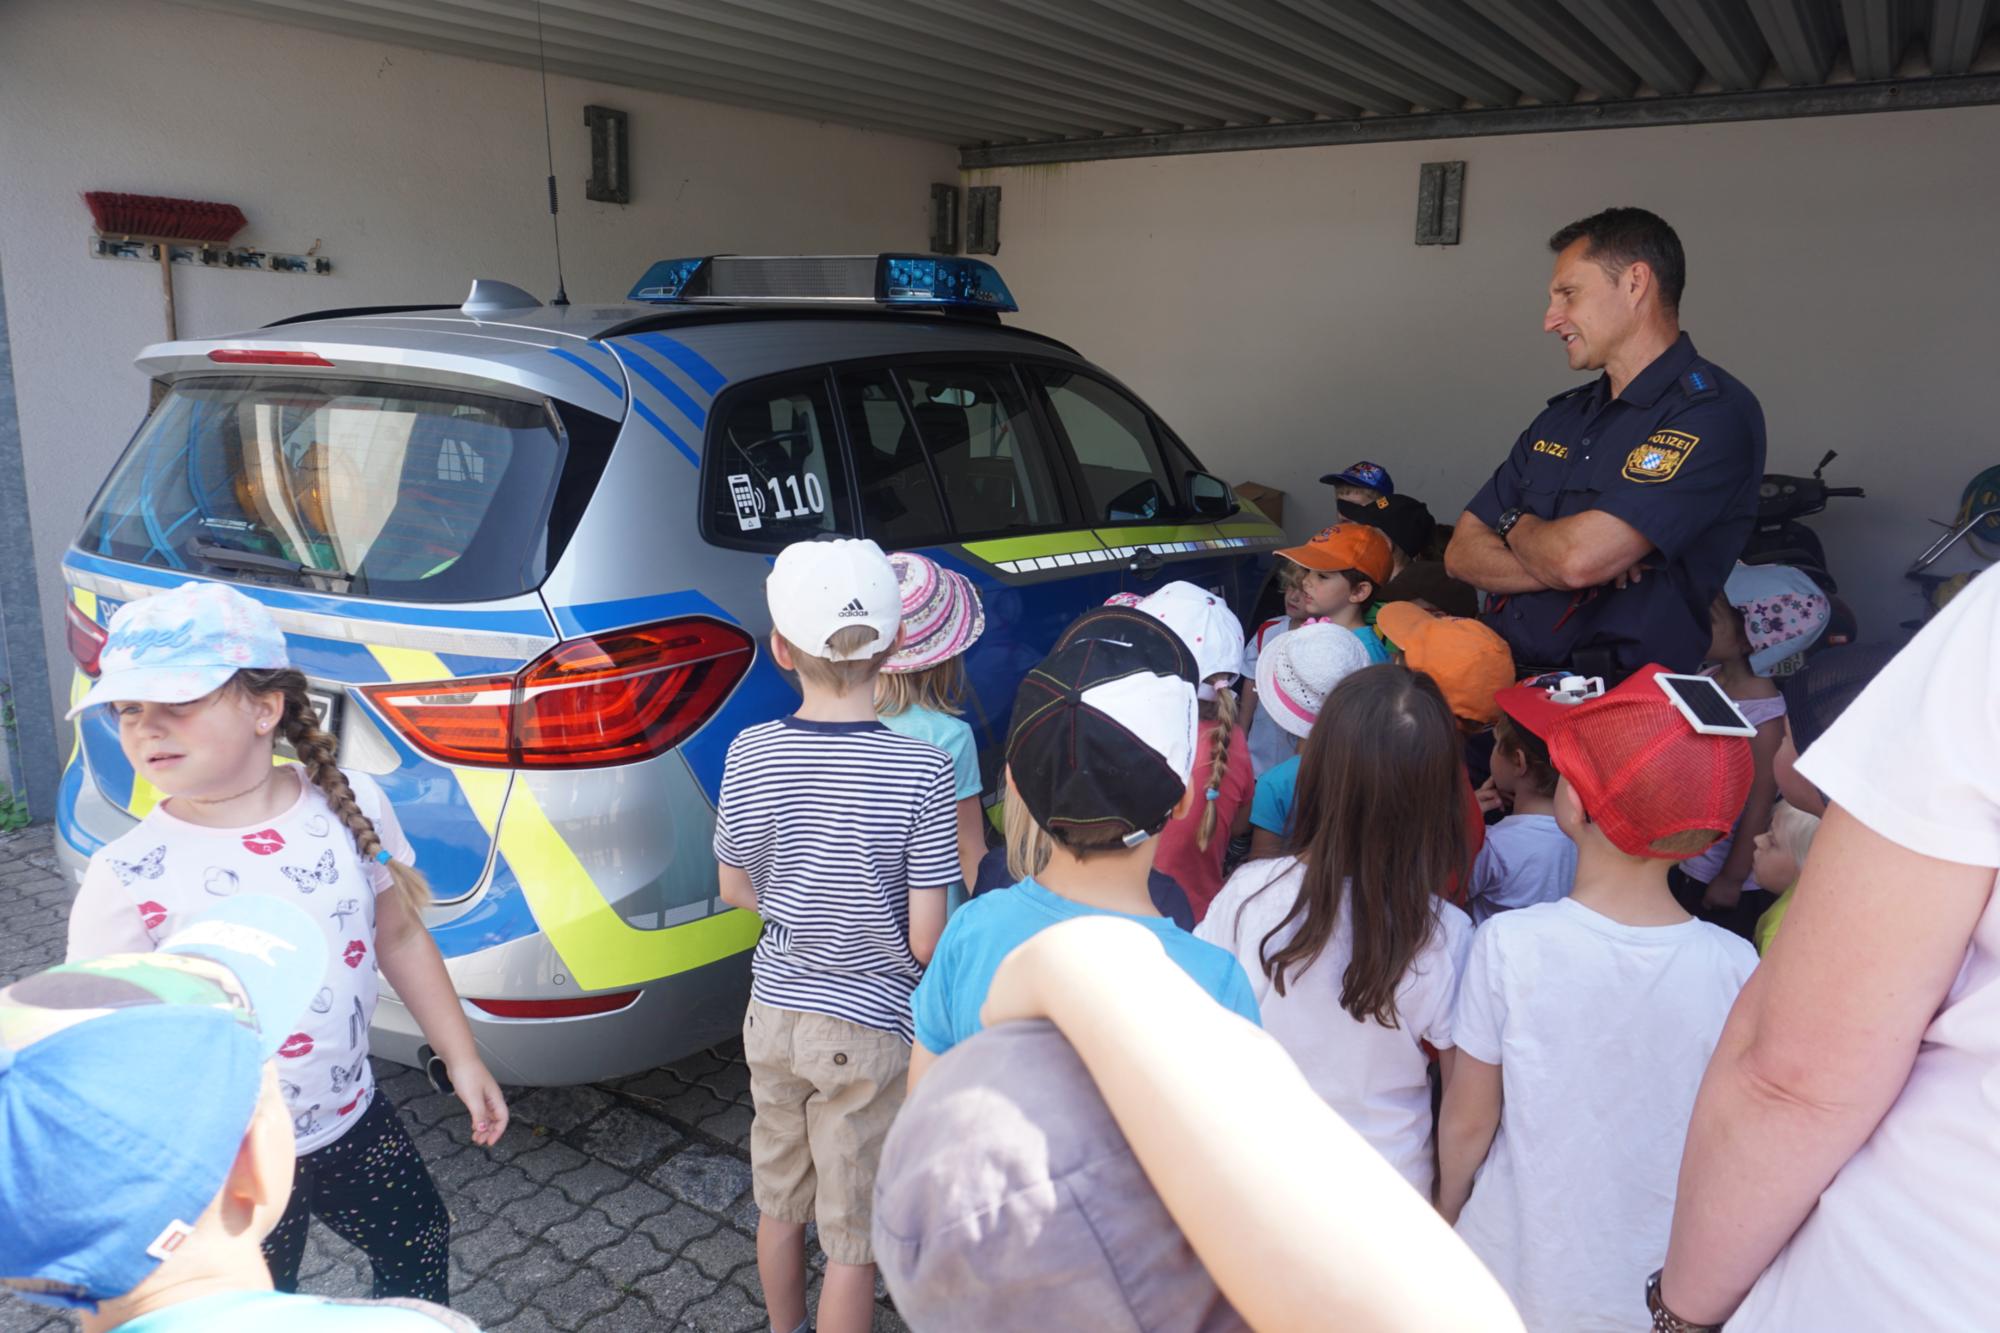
column 182, row 644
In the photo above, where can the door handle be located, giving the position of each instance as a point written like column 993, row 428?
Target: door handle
column 1147, row 561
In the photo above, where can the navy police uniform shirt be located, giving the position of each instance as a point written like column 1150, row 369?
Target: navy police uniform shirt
column 1679, row 456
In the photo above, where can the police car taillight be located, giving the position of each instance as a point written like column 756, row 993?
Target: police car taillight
column 86, row 638
column 609, row 698
column 265, row 356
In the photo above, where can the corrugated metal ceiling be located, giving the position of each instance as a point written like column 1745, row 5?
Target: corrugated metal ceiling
column 1039, row 80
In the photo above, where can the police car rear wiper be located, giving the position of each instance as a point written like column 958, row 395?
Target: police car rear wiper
column 229, row 557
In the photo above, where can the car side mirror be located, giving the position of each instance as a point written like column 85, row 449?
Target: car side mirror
column 1210, row 496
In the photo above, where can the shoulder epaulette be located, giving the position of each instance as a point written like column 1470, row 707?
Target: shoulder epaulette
column 1700, row 382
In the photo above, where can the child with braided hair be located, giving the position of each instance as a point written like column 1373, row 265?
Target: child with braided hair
column 201, row 688
column 1195, row 843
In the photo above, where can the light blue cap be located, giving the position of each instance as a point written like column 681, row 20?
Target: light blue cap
column 179, row 645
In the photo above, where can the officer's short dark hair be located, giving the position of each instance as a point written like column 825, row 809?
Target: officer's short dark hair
column 1622, row 237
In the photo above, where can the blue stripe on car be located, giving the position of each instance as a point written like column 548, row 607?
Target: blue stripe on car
column 347, row 608
column 683, row 402
column 501, row 916
column 591, row 617
column 652, row 419
column 698, row 369
column 66, row 797
column 590, row 370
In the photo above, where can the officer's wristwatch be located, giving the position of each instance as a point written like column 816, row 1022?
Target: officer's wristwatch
column 1665, row 1320
column 1508, row 518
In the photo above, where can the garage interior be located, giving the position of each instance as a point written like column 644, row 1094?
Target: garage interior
column 1216, row 200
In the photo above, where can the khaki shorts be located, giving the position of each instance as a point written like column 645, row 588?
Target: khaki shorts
column 825, row 1092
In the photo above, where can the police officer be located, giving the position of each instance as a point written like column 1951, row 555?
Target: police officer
column 1613, row 523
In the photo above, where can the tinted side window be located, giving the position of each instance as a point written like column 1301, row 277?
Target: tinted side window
column 773, row 471
column 993, row 467
column 1112, row 440
column 899, row 502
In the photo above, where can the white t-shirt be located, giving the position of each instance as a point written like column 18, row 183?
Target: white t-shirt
column 1526, row 859
column 1602, row 1032
column 1374, row 1076
column 143, row 886
column 1907, row 1234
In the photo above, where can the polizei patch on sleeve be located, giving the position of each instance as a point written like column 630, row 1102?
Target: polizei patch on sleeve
column 1660, row 456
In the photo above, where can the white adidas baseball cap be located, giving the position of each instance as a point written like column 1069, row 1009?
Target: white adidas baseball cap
column 817, row 589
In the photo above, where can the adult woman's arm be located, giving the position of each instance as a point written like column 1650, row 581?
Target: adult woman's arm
column 1814, row 1053
column 1291, row 1189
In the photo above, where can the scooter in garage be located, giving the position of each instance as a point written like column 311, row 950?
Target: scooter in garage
column 1780, row 537
column 1977, row 526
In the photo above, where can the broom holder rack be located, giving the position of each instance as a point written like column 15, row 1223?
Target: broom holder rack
column 238, row 258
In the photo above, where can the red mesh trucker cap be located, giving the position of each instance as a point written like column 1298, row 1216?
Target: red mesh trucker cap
column 1643, row 773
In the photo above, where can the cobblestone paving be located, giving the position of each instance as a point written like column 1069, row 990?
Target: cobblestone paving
column 622, row 1205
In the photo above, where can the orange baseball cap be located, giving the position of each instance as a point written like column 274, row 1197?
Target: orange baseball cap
column 1643, row 774
column 1469, row 662
column 1346, row 546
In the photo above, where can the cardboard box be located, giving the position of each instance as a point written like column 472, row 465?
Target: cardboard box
column 1268, row 499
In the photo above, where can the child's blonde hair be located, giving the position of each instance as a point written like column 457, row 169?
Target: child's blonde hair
column 1793, row 830
column 940, row 688
column 319, row 754
column 1028, row 843
column 1221, row 713
column 848, row 674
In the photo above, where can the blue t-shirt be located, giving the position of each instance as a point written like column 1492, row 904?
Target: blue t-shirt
column 951, row 734
column 1378, row 652
column 993, row 925
column 1527, row 859
column 1271, row 807
column 259, row 1311
column 1170, row 900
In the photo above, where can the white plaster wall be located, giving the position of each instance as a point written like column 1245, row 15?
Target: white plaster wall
column 1274, row 307
column 416, row 172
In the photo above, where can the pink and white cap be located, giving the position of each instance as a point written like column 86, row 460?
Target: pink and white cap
column 1205, row 624
column 817, row 589
column 1297, row 670
column 941, row 613
column 176, row 646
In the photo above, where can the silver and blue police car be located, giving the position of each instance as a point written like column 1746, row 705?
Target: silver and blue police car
column 520, row 553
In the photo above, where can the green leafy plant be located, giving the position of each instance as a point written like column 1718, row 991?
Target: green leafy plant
column 13, row 805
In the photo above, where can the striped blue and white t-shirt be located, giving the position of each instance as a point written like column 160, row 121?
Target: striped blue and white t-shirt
column 835, row 822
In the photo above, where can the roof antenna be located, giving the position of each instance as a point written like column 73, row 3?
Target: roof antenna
column 548, row 141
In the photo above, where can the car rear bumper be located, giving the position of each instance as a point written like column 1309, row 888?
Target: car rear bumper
column 672, row 1017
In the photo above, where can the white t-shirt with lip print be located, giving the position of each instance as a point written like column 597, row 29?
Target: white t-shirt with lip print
column 144, row 885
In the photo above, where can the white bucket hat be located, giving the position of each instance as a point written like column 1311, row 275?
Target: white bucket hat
column 1300, row 668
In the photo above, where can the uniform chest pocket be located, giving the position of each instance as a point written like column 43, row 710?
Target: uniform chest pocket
column 1543, row 474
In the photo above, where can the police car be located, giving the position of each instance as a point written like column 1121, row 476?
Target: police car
column 520, row 550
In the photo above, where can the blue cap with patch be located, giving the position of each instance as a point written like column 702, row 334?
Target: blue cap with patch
column 1372, row 475
column 126, row 1085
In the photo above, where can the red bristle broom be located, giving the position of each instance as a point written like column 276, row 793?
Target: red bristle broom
column 165, row 223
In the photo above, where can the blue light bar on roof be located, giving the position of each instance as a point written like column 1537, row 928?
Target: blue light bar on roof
column 900, row 281
column 666, row 280
column 961, row 284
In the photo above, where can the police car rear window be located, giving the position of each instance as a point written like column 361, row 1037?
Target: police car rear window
column 397, row 491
